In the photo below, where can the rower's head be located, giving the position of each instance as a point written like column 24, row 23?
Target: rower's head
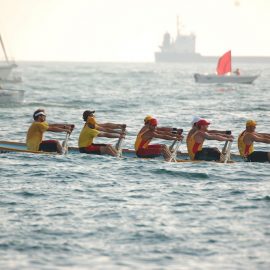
column 250, row 125
column 39, row 115
column 87, row 114
column 147, row 119
column 202, row 124
column 195, row 120
column 91, row 121
column 153, row 123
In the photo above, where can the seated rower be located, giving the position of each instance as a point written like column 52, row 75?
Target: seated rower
column 168, row 129
column 246, row 140
column 143, row 147
column 91, row 130
column 34, row 139
column 196, row 138
column 89, row 113
column 194, row 128
column 237, row 72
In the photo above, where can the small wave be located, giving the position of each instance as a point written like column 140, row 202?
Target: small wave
column 243, row 207
column 237, row 192
column 265, row 198
column 29, row 194
column 189, row 175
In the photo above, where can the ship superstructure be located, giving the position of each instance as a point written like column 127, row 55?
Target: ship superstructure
column 182, row 49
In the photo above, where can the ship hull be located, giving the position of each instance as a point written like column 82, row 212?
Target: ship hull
column 168, row 57
column 161, row 57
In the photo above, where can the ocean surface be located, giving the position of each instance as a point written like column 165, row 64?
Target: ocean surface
column 98, row 212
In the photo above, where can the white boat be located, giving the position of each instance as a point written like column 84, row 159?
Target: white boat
column 8, row 96
column 224, row 73
column 230, row 78
column 6, row 66
column 19, row 147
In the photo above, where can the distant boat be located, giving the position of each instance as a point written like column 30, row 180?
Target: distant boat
column 224, row 73
column 182, row 49
column 6, row 66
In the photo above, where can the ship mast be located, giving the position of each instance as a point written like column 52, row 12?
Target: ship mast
column 177, row 27
column 3, row 47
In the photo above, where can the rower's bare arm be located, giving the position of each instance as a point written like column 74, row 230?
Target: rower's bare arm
column 227, row 132
column 218, row 137
column 212, row 131
column 109, row 130
column 259, row 138
column 167, row 137
column 58, row 129
column 109, row 135
column 63, row 126
column 166, row 129
column 113, row 126
column 265, row 135
column 164, row 133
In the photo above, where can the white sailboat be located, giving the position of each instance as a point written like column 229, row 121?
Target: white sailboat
column 8, row 96
column 224, row 73
column 6, row 66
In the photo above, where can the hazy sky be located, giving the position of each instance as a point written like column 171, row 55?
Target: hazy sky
column 130, row 30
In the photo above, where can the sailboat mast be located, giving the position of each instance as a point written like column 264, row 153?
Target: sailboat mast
column 3, row 47
column 177, row 26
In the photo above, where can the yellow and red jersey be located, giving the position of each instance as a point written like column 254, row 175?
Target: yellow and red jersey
column 140, row 143
column 192, row 146
column 244, row 149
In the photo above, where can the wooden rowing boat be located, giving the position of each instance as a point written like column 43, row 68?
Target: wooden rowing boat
column 11, row 146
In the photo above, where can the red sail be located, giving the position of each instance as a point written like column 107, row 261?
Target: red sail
column 224, row 64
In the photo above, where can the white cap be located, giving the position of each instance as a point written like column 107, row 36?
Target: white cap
column 39, row 113
column 195, row 119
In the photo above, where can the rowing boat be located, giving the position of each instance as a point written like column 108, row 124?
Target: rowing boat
column 11, row 146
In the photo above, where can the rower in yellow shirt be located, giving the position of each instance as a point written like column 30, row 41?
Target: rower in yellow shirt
column 92, row 129
column 34, row 139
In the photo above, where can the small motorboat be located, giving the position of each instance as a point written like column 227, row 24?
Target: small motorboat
column 224, row 73
column 228, row 78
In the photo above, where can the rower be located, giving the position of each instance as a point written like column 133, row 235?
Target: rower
column 196, row 138
column 168, row 129
column 91, row 130
column 34, row 139
column 90, row 113
column 237, row 72
column 246, row 140
column 143, row 147
column 194, row 128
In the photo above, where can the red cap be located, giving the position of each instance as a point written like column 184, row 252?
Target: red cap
column 153, row 122
column 202, row 122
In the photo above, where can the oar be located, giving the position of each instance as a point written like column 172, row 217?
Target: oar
column 228, row 152
column 118, row 145
column 225, row 147
column 175, row 131
column 65, row 144
column 173, row 144
column 174, row 153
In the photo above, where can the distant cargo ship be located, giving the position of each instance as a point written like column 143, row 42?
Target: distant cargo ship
column 183, row 50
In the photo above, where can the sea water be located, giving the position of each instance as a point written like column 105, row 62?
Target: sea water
column 97, row 212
